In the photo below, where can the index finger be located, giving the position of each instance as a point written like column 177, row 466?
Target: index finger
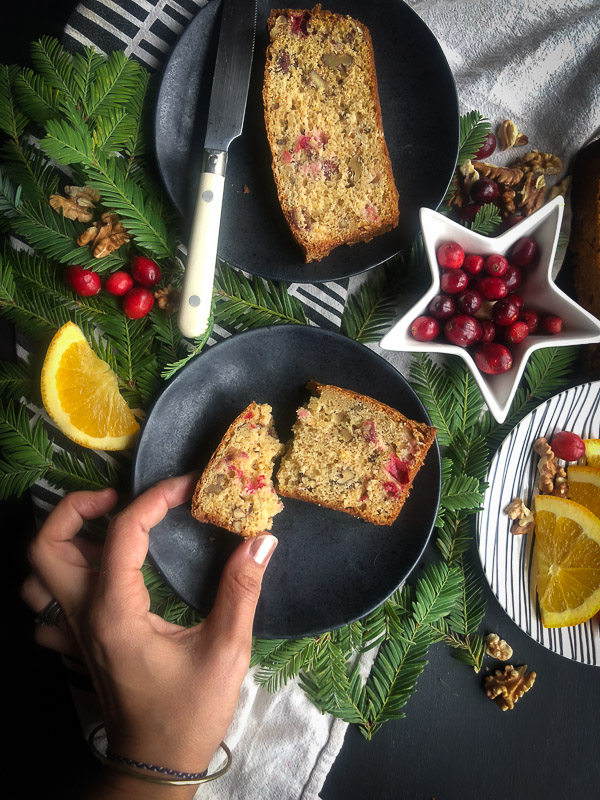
column 126, row 543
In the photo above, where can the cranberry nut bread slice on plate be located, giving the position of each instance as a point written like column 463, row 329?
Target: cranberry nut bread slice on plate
column 235, row 490
column 322, row 113
column 352, row 453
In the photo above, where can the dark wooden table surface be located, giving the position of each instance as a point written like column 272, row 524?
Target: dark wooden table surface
column 454, row 744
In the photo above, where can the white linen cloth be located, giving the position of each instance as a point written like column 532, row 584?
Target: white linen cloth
column 536, row 63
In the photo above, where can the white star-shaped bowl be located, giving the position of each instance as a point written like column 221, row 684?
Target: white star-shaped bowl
column 538, row 291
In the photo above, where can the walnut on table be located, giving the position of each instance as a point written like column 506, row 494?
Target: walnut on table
column 79, row 203
column 105, row 238
column 506, row 686
column 509, row 135
column 523, row 519
column 167, row 299
column 497, row 648
column 552, row 476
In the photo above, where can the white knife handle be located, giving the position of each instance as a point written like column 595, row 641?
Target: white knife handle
column 198, row 279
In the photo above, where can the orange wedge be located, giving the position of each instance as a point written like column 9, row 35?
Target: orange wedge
column 584, row 487
column 567, row 561
column 592, row 452
column 80, row 393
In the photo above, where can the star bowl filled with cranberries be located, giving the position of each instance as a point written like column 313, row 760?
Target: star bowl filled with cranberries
column 492, row 301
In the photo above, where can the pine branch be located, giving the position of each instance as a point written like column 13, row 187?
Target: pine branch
column 15, row 380
column 26, row 451
column 242, row 302
column 12, row 120
column 197, row 346
column 487, row 220
column 430, row 381
column 370, row 312
column 281, row 660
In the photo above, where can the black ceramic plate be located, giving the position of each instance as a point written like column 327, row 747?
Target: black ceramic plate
column 329, row 568
column 420, row 118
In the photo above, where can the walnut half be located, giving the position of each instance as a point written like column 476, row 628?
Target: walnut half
column 508, row 685
column 497, row 647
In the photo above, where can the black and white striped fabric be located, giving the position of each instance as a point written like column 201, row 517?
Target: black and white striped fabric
column 507, row 559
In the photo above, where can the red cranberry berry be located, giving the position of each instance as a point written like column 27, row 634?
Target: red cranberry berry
column 568, row 446
column 511, row 220
column 473, row 264
column 450, row 255
column 513, row 277
column 505, row 312
column 454, row 281
column 469, row 212
column 551, row 323
column 425, row 328
column 462, row 330
column 119, row 283
column 492, row 288
column 138, row 302
column 145, row 271
column 82, row 281
column 469, row 302
column 516, row 332
column 484, row 190
column 516, row 298
column 496, row 264
column 487, row 148
column 488, row 330
column 524, row 251
column 531, row 318
column 492, row 358
column 442, row 306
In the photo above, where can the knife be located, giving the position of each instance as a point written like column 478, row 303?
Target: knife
column 225, row 121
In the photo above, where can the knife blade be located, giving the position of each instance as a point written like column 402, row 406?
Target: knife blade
column 226, row 113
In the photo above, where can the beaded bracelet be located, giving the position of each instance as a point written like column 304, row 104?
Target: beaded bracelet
column 129, row 766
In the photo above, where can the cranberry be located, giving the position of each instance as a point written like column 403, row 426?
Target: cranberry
column 568, row 446
column 487, row 148
column 493, row 358
column 516, row 298
column 496, row 264
column 119, row 283
column 511, row 220
column 492, row 288
column 484, row 190
column 138, row 302
column 462, row 330
column 145, row 271
column 524, row 251
column 82, row 281
column 450, row 255
column 516, row 332
column 488, row 330
column 531, row 318
column 469, row 212
column 552, row 324
column 505, row 312
column 442, row 306
column 425, row 328
column 513, row 277
column 469, row 302
column 454, row 281
column 473, row 264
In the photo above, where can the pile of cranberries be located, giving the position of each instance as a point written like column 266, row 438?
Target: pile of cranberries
column 135, row 286
column 479, row 306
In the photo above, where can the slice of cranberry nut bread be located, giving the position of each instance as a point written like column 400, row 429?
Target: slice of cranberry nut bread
column 236, row 490
column 351, row 453
column 330, row 161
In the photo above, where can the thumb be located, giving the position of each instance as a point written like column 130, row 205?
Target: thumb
column 232, row 615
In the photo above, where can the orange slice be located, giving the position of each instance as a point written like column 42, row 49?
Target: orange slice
column 584, row 486
column 81, row 394
column 592, row 452
column 567, row 561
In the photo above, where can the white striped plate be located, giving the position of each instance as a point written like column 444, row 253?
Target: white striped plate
column 507, row 559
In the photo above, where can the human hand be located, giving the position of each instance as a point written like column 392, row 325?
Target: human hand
column 168, row 693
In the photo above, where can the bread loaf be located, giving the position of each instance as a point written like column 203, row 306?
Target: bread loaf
column 330, row 161
column 235, row 490
column 352, row 453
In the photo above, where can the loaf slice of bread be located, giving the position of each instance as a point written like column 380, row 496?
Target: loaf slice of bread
column 352, row 453
column 330, row 160
column 235, row 490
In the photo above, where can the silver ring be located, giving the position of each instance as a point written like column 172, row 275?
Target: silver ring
column 49, row 615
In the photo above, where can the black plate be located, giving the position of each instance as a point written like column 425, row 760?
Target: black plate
column 329, row 568
column 420, row 118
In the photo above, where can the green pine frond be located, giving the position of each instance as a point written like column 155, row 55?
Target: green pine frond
column 474, row 129
column 86, row 64
column 455, row 536
column 462, row 493
column 164, row 603
column 437, row 393
column 25, row 448
column 114, row 84
column 242, row 302
column 469, row 453
column 281, row 660
column 467, row 396
column 487, row 220
column 55, row 65
column 12, row 119
column 329, row 684
column 36, row 98
column 26, row 166
column 369, row 313
column 73, row 473
column 15, row 380
column 195, row 349
column 113, row 132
